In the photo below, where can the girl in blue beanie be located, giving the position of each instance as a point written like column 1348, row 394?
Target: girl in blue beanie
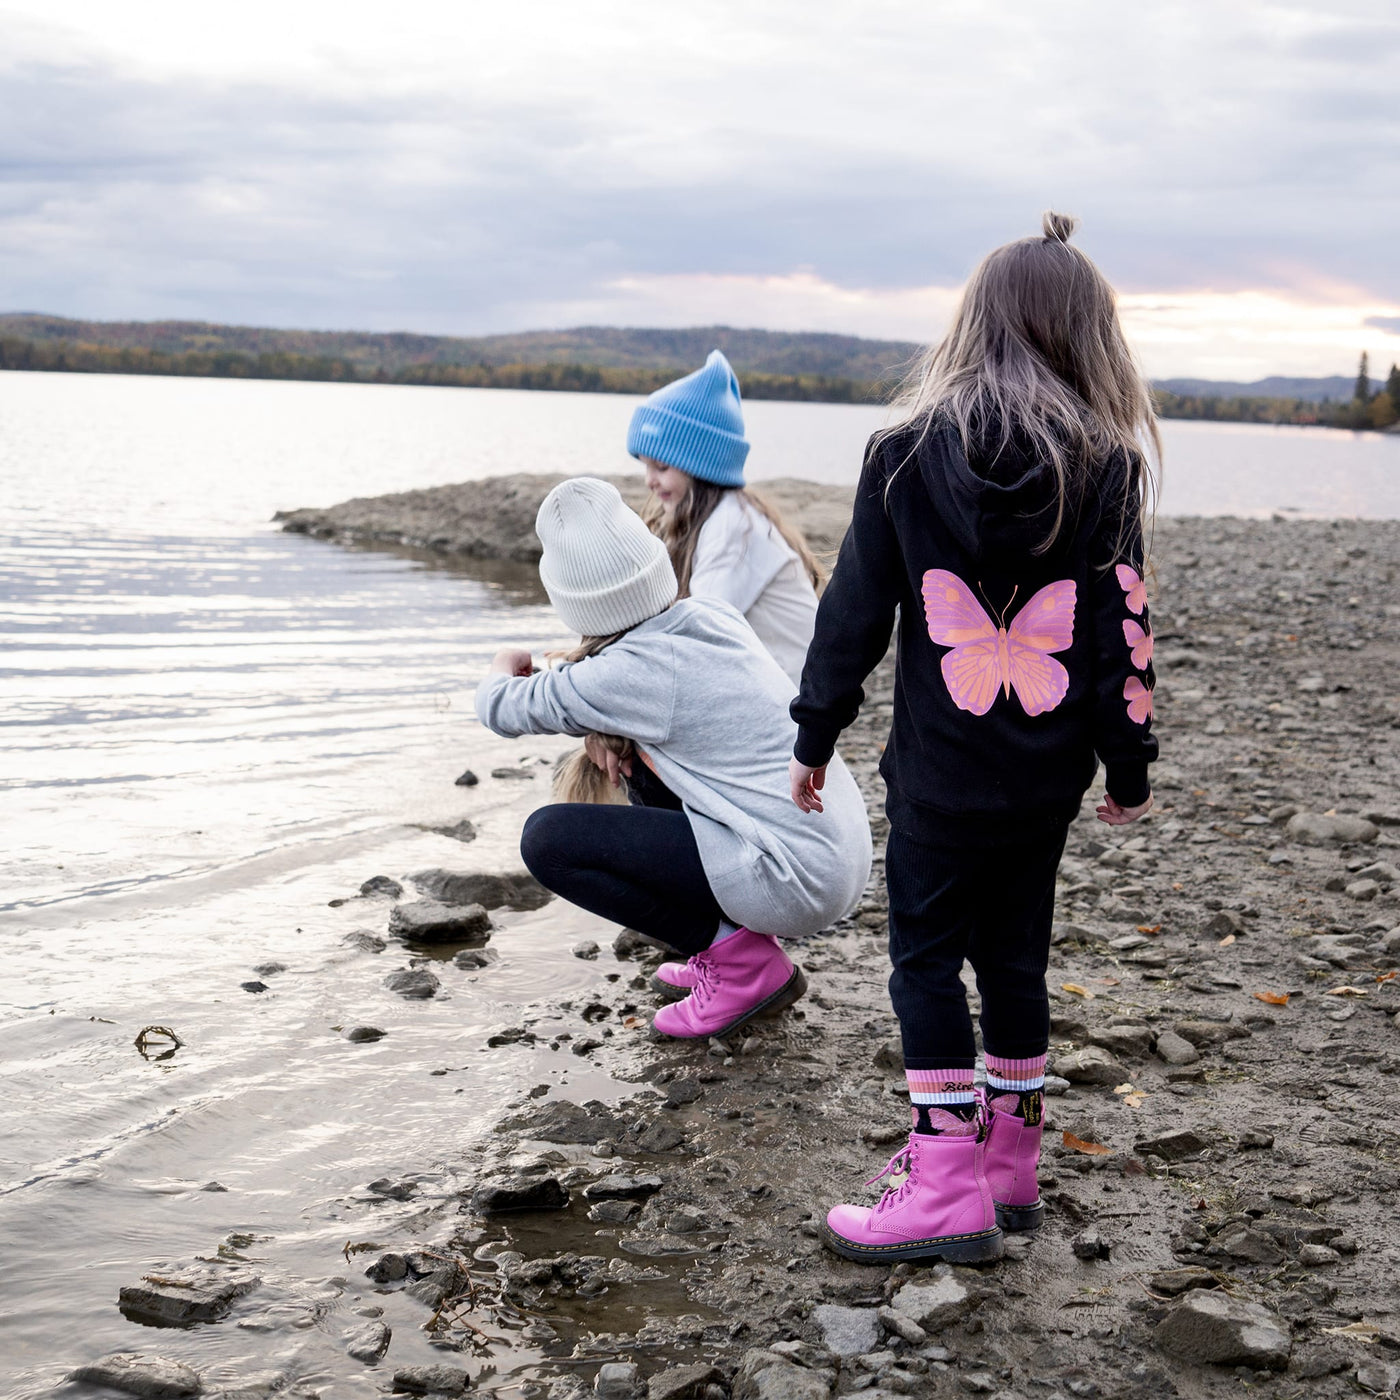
column 724, row 541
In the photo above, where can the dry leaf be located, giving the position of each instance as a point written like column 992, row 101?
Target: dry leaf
column 1357, row 1331
column 1385, row 977
column 632, row 1022
column 1272, row 998
column 1347, row 992
column 1089, row 1149
column 1077, row 990
column 1149, row 928
column 1132, row 1167
column 1226, row 941
column 1135, row 1100
column 1124, row 1089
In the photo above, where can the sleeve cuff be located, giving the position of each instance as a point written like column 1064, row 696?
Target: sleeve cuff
column 1127, row 783
column 814, row 747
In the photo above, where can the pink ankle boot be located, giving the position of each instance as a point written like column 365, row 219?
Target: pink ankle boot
column 1013, row 1154
column 941, row 1209
column 735, row 980
column 674, row 980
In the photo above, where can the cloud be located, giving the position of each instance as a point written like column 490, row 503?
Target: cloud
column 487, row 170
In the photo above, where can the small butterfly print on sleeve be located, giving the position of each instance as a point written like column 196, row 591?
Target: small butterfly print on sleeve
column 986, row 657
column 1139, row 699
column 1139, row 643
column 1130, row 581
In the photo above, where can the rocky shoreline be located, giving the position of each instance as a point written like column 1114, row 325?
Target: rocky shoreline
column 1222, row 1163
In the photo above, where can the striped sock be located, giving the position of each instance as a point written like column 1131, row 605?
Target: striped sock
column 943, row 1100
column 1022, row 1080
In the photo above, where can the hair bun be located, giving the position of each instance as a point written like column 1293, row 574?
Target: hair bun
column 1059, row 227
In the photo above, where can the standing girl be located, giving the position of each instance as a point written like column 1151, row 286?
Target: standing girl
column 710, row 857
column 724, row 541
column 1002, row 519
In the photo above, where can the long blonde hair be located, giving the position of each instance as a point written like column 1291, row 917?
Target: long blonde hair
column 577, row 778
column 1036, row 349
column 680, row 531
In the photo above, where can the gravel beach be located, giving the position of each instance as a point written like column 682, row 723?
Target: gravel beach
column 1222, row 1160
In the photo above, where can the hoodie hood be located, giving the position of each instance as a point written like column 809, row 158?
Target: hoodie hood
column 999, row 507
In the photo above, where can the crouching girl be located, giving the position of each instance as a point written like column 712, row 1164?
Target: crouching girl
column 709, row 857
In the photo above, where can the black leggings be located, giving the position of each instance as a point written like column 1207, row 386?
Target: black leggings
column 637, row 865
column 992, row 907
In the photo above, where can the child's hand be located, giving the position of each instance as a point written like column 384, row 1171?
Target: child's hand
column 807, row 784
column 511, row 661
column 1109, row 811
column 603, row 757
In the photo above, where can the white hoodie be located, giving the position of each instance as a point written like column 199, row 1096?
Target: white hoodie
column 742, row 558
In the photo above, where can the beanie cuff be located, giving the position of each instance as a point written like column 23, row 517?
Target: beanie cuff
column 699, row 449
column 603, row 613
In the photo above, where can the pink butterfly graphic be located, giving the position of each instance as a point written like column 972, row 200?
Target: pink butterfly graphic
column 986, row 656
column 1130, row 581
column 1139, row 641
column 1139, row 699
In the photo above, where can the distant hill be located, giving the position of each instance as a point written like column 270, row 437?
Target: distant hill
column 1337, row 387
column 604, row 347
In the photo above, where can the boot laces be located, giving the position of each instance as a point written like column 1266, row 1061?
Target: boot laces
column 900, row 1170
column 706, row 976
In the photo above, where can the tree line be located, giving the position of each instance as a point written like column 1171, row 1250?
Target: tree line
column 1367, row 409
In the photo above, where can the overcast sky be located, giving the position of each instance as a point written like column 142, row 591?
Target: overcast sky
column 466, row 168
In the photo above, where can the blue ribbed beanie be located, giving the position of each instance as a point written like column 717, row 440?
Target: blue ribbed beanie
column 695, row 424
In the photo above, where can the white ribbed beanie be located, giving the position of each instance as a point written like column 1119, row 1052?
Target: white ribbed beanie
column 603, row 569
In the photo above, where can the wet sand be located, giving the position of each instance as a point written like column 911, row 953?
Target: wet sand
column 1223, row 1014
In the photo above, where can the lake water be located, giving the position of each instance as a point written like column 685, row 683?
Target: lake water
column 209, row 730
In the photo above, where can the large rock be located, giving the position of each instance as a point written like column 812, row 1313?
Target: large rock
column 415, row 983
column 764, row 1375
column 1092, row 1065
column 1128, row 1041
column 432, row 1380
column 565, row 1122
column 520, row 1193
column 369, row 1343
column 683, row 1382
column 178, row 1297
column 135, row 1374
column 1175, row 1049
column 1218, row 1330
column 490, row 891
column 936, row 1300
column 1173, row 1146
column 427, row 921
column 618, row 1187
column 1203, row 1034
column 1314, row 829
column 847, row 1331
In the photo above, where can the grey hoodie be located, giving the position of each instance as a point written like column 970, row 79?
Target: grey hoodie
column 697, row 693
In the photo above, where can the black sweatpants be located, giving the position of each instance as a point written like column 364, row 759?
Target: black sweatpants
column 991, row 906
column 637, row 865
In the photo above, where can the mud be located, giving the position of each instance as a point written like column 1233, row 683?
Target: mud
column 1220, row 1182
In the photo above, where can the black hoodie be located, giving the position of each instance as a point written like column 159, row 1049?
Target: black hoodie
column 962, row 535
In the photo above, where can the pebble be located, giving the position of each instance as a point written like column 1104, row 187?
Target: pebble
column 185, row 1296
column 392, row 1190
column 253, row 986
column 616, row 1187
column 683, row 1382
column 936, row 1300
column 362, row 1034
column 588, row 950
column 615, row 1212
column 466, row 779
column 1091, row 1065
column 388, row 1268
column 473, row 959
column 1317, row 1256
column 1089, row 1245
column 1174, row 1146
column 1313, row 829
column 1055, row 1087
column 364, row 941
column 1254, row 1138
column 616, row 1380
column 270, row 969
column 512, row 774
column 1379, row 1377
column 457, row 831
column 520, row 1193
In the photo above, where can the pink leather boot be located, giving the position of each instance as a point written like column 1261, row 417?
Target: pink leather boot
column 1013, row 1154
column 940, row 1209
column 736, row 979
column 674, row 980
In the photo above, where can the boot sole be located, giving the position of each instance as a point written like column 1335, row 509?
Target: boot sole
column 668, row 991
column 791, row 990
column 1030, row 1217
column 981, row 1248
